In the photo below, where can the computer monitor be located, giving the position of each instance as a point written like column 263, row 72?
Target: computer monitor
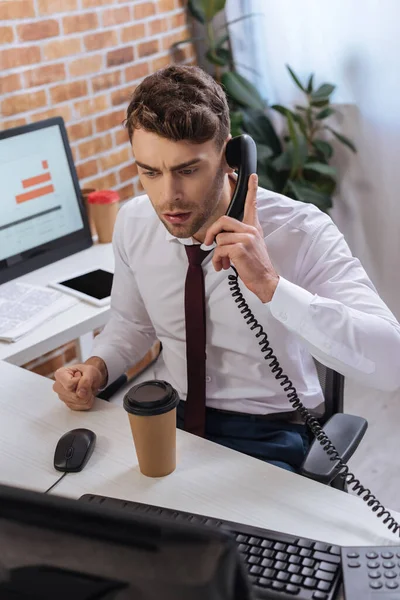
column 53, row 547
column 42, row 218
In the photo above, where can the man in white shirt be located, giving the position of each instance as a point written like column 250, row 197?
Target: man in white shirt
column 296, row 273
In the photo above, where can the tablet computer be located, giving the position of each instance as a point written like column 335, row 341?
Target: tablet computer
column 92, row 286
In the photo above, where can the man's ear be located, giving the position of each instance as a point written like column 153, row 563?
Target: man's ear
column 228, row 169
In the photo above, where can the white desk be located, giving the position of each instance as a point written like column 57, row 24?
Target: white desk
column 79, row 321
column 209, row 479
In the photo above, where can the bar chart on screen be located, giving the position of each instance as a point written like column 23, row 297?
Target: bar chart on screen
column 31, row 184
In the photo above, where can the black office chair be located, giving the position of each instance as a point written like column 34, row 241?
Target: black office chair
column 344, row 431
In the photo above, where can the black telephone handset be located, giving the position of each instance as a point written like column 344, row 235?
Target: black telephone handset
column 241, row 155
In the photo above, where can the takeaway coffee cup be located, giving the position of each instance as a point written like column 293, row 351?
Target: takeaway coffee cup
column 104, row 206
column 151, row 408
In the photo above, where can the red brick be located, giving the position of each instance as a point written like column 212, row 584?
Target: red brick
column 121, row 137
column 16, row 9
column 59, row 111
column 6, row 35
column 165, row 5
column 86, row 65
column 161, row 62
column 120, row 56
column 106, row 81
column 95, row 3
column 80, row 130
column 148, row 48
column 122, row 96
column 137, row 71
column 115, row 16
column 17, row 57
column 95, row 146
column 10, row 83
column 127, row 192
column 63, row 47
column 110, row 120
column 158, row 26
column 12, row 123
column 62, row 93
column 103, row 39
column 115, row 159
column 91, row 106
column 128, row 173
column 177, row 21
column 81, row 22
column 178, row 36
column 70, row 352
column 103, row 183
column 43, row 75
column 143, row 10
column 40, row 30
column 133, row 33
column 87, row 169
column 23, row 102
column 49, row 7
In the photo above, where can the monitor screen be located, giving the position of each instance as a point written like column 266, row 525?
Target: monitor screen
column 42, row 218
column 53, row 547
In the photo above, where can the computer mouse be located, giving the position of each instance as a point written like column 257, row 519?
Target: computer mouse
column 74, row 449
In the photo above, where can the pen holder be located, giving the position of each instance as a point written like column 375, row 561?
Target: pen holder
column 104, row 206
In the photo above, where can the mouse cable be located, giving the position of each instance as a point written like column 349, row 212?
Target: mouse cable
column 58, row 481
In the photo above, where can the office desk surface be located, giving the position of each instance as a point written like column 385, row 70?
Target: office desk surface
column 78, row 320
column 209, row 478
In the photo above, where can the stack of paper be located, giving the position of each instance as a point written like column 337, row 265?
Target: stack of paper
column 23, row 307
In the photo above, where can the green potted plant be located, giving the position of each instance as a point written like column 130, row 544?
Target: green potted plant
column 297, row 165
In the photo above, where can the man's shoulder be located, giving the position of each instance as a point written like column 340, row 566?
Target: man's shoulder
column 138, row 207
column 276, row 211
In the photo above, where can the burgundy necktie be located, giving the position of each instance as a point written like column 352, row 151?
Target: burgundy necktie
column 195, row 318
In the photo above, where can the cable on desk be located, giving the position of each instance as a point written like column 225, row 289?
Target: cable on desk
column 58, row 481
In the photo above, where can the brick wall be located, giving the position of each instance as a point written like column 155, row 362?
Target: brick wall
column 81, row 59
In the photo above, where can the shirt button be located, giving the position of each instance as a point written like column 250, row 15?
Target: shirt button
column 208, row 379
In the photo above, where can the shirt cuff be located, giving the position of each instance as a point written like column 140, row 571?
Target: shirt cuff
column 112, row 361
column 290, row 304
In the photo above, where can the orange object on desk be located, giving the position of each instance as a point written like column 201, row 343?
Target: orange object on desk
column 104, row 206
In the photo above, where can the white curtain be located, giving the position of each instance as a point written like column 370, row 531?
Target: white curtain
column 354, row 44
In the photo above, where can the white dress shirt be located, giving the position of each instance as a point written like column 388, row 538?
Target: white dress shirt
column 324, row 306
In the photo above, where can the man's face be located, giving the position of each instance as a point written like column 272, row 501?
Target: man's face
column 185, row 182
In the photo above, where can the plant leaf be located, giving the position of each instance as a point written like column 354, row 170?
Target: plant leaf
column 310, row 84
column 219, row 56
column 236, row 118
column 196, row 9
column 221, row 41
column 320, row 103
column 324, row 91
column 212, row 7
column 323, row 147
column 264, row 180
column 253, row 14
column 342, row 138
column 295, row 78
column 191, row 39
column 326, row 112
column 306, row 193
column 320, row 168
column 263, row 152
column 242, row 91
column 257, row 124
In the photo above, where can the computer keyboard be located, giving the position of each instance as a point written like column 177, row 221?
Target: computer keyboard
column 280, row 566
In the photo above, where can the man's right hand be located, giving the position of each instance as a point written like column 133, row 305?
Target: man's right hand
column 78, row 385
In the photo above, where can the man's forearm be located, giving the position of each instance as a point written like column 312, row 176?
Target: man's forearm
column 96, row 361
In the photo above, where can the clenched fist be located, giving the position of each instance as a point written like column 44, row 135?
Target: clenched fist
column 78, row 385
